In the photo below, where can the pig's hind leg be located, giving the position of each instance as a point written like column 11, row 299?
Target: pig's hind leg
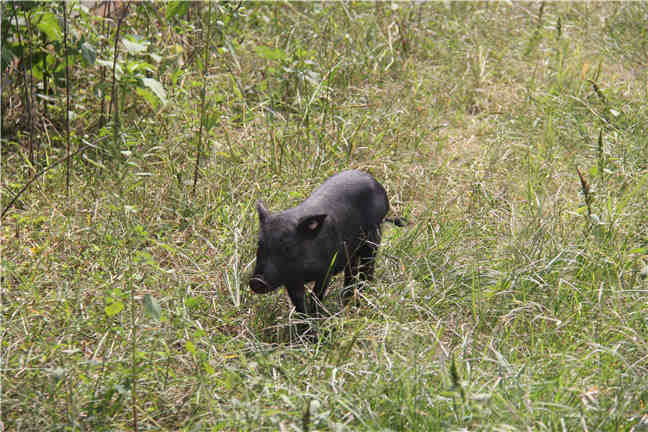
column 362, row 263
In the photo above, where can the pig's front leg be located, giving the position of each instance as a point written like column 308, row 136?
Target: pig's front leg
column 297, row 296
column 296, row 293
column 319, row 291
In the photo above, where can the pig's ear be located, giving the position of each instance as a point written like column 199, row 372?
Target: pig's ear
column 311, row 225
column 263, row 212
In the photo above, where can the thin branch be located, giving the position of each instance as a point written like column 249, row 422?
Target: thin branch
column 115, row 91
column 113, row 95
column 67, row 97
column 202, row 100
column 133, row 354
column 102, row 117
column 27, row 89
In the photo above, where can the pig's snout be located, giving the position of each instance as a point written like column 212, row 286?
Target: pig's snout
column 260, row 286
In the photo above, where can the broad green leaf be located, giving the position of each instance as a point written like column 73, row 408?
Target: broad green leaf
column 175, row 8
column 48, row 24
column 156, row 88
column 190, row 347
column 193, row 302
column 37, row 70
column 89, row 53
column 218, row 98
column 109, row 65
column 143, row 256
column 148, row 96
column 270, row 53
column 211, row 121
column 152, row 306
column 156, row 58
column 46, row 97
column 133, row 47
column 114, row 308
column 133, row 67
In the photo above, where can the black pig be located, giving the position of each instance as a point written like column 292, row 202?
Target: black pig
column 336, row 228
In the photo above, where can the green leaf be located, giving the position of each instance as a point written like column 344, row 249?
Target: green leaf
column 175, row 8
column 46, row 97
column 134, row 47
column 190, row 347
column 133, row 67
column 114, row 308
column 643, row 274
column 156, row 58
column 152, row 306
column 270, row 53
column 89, row 53
column 37, row 70
column 48, row 24
column 148, row 96
column 109, row 65
column 156, row 88
column 57, row 373
column 193, row 302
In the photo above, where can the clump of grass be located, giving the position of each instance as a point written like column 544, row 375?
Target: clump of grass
column 499, row 307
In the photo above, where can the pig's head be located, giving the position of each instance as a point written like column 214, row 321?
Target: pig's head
column 287, row 251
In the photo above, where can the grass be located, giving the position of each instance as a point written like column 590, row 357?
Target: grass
column 515, row 300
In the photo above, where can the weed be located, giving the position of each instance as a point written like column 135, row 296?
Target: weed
column 514, row 299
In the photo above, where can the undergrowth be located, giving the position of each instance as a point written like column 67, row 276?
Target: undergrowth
column 511, row 136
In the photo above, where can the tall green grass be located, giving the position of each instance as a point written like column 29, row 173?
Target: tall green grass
column 515, row 300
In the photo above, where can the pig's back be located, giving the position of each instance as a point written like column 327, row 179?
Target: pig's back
column 350, row 197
